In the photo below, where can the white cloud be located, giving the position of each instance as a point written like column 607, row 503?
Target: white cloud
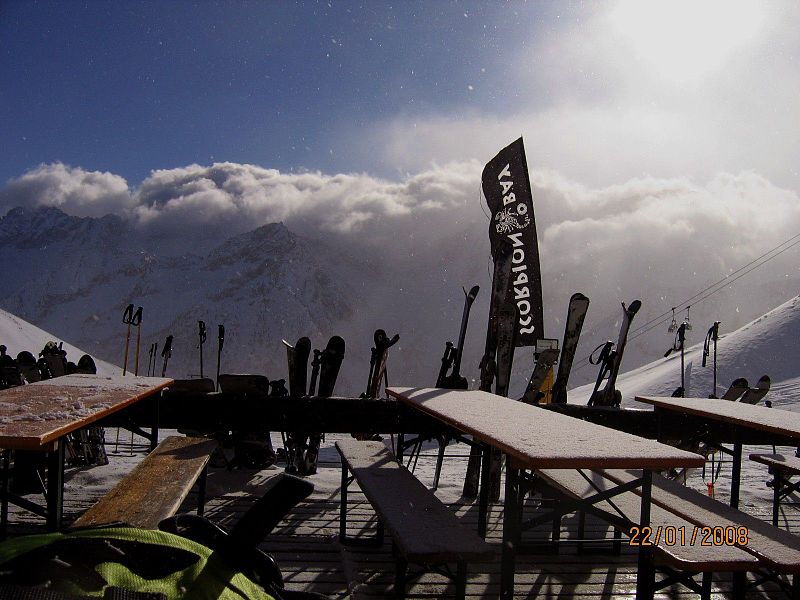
column 601, row 106
column 72, row 189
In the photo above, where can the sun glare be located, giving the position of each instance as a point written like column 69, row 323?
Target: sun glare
column 686, row 39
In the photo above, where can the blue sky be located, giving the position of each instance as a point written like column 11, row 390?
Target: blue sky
column 603, row 92
column 128, row 87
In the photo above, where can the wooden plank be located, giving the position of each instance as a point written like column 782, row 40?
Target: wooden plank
column 156, row 488
column 790, row 464
column 424, row 529
column 775, row 546
column 34, row 415
column 539, row 439
column 685, row 554
column 773, row 420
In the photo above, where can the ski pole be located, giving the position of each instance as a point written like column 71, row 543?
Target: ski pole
column 220, row 343
column 127, row 318
column 137, row 322
column 149, row 359
column 201, row 326
column 166, row 353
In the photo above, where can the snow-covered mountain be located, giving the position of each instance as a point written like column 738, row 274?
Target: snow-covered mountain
column 75, row 276
column 18, row 335
column 768, row 345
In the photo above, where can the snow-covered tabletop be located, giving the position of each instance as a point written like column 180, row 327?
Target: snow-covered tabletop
column 774, row 420
column 540, row 439
column 32, row 416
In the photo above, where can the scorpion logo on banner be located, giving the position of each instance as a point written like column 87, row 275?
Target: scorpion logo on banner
column 507, row 219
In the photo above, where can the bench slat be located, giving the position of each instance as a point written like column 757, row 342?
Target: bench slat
column 688, row 556
column 790, row 464
column 423, row 528
column 156, row 487
column 775, row 546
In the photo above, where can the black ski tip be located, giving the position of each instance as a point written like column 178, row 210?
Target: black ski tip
column 473, row 293
column 303, row 345
column 764, row 382
column 577, row 296
column 336, row 344
column 634, row 307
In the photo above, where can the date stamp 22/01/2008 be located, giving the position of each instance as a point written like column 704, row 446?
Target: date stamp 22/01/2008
column 682, row 536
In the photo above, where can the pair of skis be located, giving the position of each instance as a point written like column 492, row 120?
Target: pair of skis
column 377, row 363
column 610, row 359
column 740, row 390
column 302, row 448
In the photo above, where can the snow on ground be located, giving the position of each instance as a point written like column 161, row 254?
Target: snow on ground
column 19, row 335
column 769, row 345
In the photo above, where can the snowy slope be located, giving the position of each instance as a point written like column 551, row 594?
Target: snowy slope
column 18, row 335
column 769, row 345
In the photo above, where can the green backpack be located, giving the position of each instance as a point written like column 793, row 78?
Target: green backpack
column 108, row 562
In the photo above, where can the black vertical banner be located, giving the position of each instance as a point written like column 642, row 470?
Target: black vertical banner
column 508, row 193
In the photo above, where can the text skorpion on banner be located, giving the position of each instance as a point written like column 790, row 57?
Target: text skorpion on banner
column 507, row 189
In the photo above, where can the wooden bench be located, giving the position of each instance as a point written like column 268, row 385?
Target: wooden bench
column 157, row 487
column 777, row 550
column 782, row 468
column 677, row 552
column 423, row 530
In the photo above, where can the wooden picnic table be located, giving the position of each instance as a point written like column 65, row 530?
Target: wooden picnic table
column 735, row 414
column 37, row 417
column 534, row 439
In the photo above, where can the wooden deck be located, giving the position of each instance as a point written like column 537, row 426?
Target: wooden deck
column 307, row 549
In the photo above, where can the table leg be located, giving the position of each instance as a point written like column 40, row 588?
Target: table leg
column 645, row 579
column 512, row 517
column 55, row 486
column 343, row 505
column 736, row 470
column 483, row 498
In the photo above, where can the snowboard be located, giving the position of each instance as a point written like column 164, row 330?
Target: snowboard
column 576, row 314
column 545, row 361
column 501, row 279
column 754, row 395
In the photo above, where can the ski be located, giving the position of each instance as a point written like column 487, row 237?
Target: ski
column 297, row 357
column 544, row 362
column 712, row 337
column 608, row 396
column 736, row 389
column 576, row 314
column 500, row 281
column 754, row 395
column 332, row 358
column 455, row 381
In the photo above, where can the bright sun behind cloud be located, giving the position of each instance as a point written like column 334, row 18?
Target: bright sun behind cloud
column 684, row 39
